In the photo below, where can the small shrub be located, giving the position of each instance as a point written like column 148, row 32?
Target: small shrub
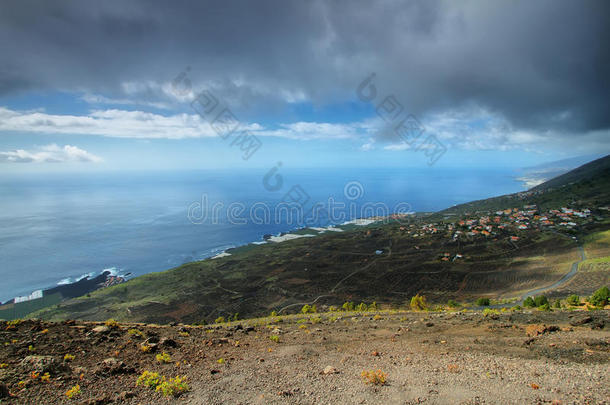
column 573, row 300
column 418, row 303
column 275, row 338
column 541, row 300
column 175, row 387
column 373, row 306
column 377, row 317
column 12, row 325
column 600, row 297
column 348, row 306
column 557, row 304
column 452, row 304
column 221, row 361
column 73, row 392
column 489, row 311
column 145, row 348
column 516, row 308
column 220, row 319
column 135, row 332
column 163, row 358
column 453, row 368
column 273, row 313
column 545, row 307
column 316, row 320
column 529, row 303
column 375, row 377
column 111, row 323
column 309, row 309
column 362, row 307
column 149, row 379
column 68, row 357
column 483, row 302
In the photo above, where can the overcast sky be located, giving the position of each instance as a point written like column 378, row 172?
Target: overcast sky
column 109, row 84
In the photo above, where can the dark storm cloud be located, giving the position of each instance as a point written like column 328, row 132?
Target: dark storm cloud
column 540, row 65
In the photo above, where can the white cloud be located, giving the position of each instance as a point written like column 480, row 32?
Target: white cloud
column 49, row 154
column 370, row 145
column 145, row 125
column 99, row 99
column 317, row 130
column 111, row 123
column 467, row 129
column 396, row 146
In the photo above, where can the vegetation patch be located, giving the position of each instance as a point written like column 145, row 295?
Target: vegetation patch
column 374, row 377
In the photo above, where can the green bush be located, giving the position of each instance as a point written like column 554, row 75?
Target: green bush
column 418, row 303
column 483, row 302
column 306, row 308
column 573, row 300
column 557, row 304
column 362, row 307
column 174, row 387
column 541, row 300
column 529, row 303
column 348, row 306
column 600, row 297
column 452, row 304
column 545, row 307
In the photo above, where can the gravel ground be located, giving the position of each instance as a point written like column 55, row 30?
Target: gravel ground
column 435, row 358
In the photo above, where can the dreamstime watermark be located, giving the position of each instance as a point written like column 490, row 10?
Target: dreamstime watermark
column 219, row 116
column 406, row 126
column 296, row 207
column 225, row 123
column 294, row 214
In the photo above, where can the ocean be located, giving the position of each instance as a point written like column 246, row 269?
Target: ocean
column 58, row 228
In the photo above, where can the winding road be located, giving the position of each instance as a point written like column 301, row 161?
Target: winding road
column 567, row 277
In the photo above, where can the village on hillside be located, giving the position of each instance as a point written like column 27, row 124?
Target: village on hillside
column 509, row 224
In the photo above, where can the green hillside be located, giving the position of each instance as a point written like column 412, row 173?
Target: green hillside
column 587, row 185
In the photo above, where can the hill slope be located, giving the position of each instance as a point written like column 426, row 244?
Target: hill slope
column 438, row 256
column 588, row 184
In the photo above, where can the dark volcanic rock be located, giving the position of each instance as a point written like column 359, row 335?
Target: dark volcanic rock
column 125, row 395
column 112, row 366
column 581, row 321
column 43, row 364
column 168, row 342
column 4, row 393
